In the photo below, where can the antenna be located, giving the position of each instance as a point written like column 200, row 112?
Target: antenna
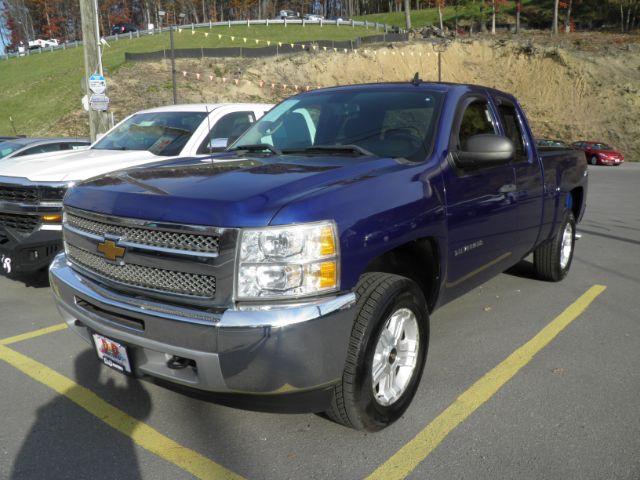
column 206, row 109
column 416, row 80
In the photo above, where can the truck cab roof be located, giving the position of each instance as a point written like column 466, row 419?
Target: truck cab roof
column 444, row 87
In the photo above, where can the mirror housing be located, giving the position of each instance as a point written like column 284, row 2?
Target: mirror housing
column 485, row 150
column 218, row 144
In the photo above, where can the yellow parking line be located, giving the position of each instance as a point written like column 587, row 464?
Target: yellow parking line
column 33, row 334
column 405, row 460
column 142, row 434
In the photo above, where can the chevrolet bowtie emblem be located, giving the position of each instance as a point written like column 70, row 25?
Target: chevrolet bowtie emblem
column 110, row 250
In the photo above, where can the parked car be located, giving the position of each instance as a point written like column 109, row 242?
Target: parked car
column 302, row 265
column 310, row 17
column 547, row 143
column 22, row 146
column 598, row 153
column 288, row 14
column 120, row 28
column 40, row 43
column 32, row 188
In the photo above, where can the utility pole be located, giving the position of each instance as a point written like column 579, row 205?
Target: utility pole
column 98, row 121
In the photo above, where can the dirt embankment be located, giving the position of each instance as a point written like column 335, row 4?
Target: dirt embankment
column 568, row 92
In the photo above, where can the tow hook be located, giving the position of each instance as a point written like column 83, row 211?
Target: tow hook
column 178, row 363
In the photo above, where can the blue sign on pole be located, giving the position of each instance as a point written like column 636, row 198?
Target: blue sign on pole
column 97, row 83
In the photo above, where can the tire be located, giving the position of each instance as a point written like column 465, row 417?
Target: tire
column 594, row 160
column 382, row 299
column 551, row 260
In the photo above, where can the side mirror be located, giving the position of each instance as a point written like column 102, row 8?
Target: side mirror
column 218, row 144
column 486, row 150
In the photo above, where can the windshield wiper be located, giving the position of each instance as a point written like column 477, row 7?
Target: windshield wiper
column 353, row 149
column 256, row 147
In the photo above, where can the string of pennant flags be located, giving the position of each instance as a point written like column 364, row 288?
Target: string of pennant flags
column 235, row 81
column 275, row 86
column 292, row 87
column 303, row 46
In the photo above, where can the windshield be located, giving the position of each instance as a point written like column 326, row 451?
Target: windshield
column 600, row 146
column 7, row 148
column 397, row 124
column 161, row 133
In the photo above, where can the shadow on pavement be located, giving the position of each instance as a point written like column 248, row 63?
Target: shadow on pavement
column 33, row 280
column 65, row 441
column 523, row 269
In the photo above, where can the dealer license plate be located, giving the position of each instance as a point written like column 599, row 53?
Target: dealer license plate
column 112, row 353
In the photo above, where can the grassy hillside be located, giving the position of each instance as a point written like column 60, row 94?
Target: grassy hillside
column 429, row 16
column 40, row 89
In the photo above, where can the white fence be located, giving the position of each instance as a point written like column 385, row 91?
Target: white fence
column 192, row 26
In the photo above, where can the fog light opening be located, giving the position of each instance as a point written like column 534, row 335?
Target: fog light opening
column 179, row 363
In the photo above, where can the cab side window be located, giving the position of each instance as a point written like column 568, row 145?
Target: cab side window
column 513, row 131
column 227, row 129
column 476, row 120
column 49, row 147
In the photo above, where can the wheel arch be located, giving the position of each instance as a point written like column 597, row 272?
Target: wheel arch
column 418, row 260
column 576, row 200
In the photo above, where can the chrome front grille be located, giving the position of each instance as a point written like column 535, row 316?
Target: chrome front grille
column 177, row 263
column 145, row 236
column 181, row 283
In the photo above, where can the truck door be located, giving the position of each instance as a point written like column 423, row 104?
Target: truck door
column 481, row 205
column 528, row 172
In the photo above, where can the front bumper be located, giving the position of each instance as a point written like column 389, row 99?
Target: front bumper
column 28, row 252
column 610, row 160
column 259, row 350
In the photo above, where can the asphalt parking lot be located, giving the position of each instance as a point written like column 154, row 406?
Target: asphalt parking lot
column 524, row 379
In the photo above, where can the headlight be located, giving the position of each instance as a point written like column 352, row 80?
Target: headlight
column 287, row 262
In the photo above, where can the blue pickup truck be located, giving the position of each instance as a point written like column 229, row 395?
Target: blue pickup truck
column 299, row 268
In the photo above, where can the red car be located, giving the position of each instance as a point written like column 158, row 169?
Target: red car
column 599, row 153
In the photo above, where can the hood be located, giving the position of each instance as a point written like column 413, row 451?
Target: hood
column 226, row 191
column 73, row 164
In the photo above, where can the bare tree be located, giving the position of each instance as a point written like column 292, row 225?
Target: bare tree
column 493, row 17
column 556, row 6
column 407, row 13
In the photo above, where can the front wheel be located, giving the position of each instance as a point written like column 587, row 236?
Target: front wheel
column 552, row 259
column 386, row 355
column 594, row 160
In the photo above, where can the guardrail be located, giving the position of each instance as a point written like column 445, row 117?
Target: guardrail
column 229, row 23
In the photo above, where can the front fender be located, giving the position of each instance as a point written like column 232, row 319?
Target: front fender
column 376, row 213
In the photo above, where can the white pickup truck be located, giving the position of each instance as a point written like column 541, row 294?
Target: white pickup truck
column 32, row 187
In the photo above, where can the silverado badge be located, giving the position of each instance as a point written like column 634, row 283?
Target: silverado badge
column 110, row 250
